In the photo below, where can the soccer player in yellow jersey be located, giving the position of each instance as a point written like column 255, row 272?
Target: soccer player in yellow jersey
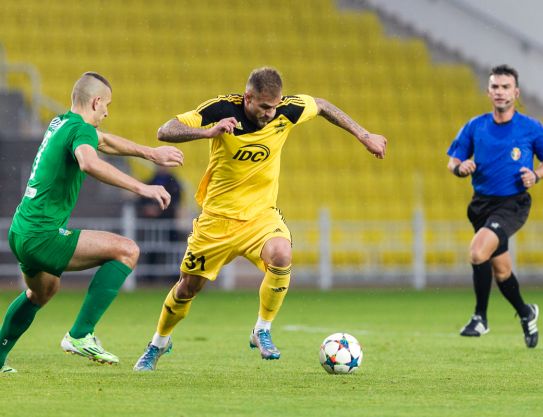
column 238, row 195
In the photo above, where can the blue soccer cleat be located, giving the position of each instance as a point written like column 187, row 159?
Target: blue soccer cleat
column 261, row 339
column 149, row 359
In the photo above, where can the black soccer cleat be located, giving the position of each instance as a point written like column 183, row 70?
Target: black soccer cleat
column 529, row 326
column 476, row 327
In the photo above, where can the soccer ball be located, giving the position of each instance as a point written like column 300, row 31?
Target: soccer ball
column 340, row 353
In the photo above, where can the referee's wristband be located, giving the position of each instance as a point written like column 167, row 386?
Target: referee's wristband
column 536, row 177
column 456, row 171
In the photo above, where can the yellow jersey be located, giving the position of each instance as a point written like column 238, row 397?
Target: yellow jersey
column 242, row 177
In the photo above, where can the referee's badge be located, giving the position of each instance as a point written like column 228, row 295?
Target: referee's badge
column 515, row 154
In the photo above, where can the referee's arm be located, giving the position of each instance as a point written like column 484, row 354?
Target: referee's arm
column 461, row 168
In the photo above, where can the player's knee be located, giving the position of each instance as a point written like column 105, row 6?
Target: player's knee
column 129, row 253
column 184, row 293
column 501, row 272
column 478, row 256
column 189, row 286
column 44, row 294
column 502, row 275
column 281, row 254
column 281, row 258
column 277, row 252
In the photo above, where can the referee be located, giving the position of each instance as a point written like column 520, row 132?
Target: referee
column 497, row 150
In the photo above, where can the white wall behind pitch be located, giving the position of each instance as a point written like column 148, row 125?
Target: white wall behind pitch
column 486, row 32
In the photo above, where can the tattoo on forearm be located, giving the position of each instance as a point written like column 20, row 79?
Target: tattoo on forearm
column 179, row 133
column 340, row 118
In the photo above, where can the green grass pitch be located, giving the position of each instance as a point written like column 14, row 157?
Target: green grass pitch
column 415, row 364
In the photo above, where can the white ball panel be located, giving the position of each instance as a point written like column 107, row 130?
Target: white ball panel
column 355, row 349
column 331, row 348
column 343, row 356
column 341, row 369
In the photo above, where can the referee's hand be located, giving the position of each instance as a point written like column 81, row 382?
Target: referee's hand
column 529, row 177
column 466, row 168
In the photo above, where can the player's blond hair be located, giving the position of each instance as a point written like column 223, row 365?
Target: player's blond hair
column 91, row 84
column 265, row 79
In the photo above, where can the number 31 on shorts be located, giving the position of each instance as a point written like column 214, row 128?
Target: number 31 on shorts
column 193, row 261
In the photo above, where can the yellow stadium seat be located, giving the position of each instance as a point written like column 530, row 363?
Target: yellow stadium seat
column 161, row 63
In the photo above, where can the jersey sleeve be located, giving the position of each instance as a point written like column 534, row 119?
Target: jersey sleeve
column 191, row 118
column 310, row 108
column 462, row 145
column 538, row 142
column 299, row 108
column 207, row 113
column 85, row 135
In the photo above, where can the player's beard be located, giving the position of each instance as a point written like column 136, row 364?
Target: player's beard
column 262, row 123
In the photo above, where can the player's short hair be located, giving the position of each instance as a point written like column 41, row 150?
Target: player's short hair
column 505, row 70
column 98, row 77
column 87, row 86
column 265, row 79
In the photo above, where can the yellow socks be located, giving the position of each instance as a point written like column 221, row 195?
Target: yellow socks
column 273, row 289
column 173, row 311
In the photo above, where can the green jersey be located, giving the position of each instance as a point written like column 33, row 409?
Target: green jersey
column 55, row 179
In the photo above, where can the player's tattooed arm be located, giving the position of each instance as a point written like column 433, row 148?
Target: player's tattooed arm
column 375, row 144
column 339, row 118
column 176, row 132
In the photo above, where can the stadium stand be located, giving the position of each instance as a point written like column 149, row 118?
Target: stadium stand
column 169, row 57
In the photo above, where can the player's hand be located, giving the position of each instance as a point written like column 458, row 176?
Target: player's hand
column 157, row 193
column 467, row 167
column 375, row 144
column 226, row 125
column 529, row 177
column 167, row 156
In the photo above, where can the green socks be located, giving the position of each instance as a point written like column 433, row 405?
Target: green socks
column 103, row 288
column 20, row 314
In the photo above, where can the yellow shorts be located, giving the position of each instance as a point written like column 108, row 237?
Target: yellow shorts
column 215, row 241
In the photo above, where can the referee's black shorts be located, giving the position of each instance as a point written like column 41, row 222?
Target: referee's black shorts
column 503, row 215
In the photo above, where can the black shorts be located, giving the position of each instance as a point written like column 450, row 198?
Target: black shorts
column 503, row 215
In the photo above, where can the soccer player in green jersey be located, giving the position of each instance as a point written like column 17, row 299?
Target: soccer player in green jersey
column 39, row 237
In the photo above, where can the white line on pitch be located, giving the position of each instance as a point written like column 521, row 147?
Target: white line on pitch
column 315, row 329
